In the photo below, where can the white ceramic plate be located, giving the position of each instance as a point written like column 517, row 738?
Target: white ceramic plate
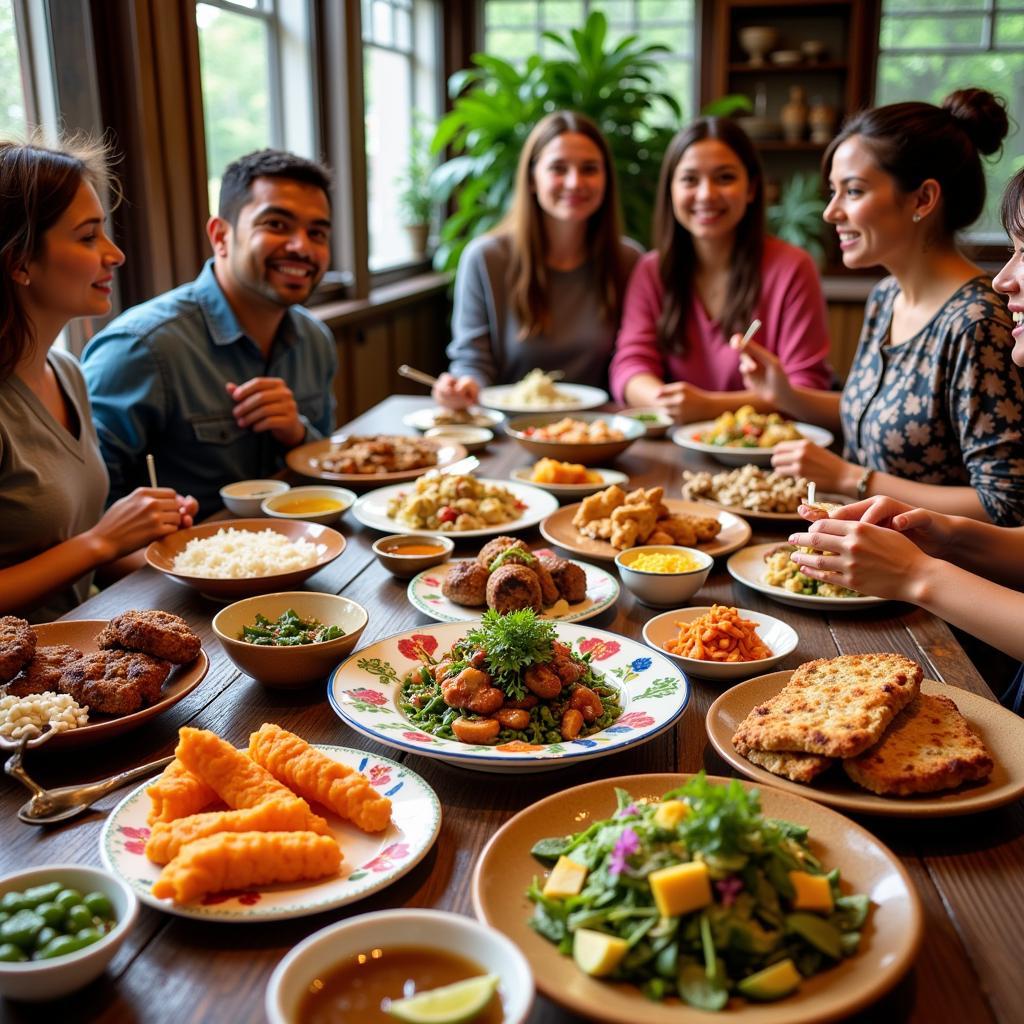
column 575, row 491
column 684, row 437
column 778, row 637
column 363, row 692
column 578, row 397
column 372, row 510
column 424, row 419
column 425, row 595
column 748, row 566
column 371, row 861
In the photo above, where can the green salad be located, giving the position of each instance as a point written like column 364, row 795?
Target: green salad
column 288, row 630
column 697, row 896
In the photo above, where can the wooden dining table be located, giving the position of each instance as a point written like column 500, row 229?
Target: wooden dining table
column 968, row 871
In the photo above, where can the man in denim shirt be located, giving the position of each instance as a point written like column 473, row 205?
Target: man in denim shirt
column 220, row 377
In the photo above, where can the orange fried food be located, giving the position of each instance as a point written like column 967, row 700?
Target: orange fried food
column 719, row 635
column 178, row 793
column 235, row 860
column 317, row 777
column 274, row 815
column 236, row 779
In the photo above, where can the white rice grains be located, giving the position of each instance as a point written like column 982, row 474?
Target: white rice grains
column 244, row 554
column 26, row 716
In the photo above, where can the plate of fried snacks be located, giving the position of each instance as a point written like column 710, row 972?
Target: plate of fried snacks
column 371, row 460
column 463, row 505
column 567, row 479
column 281, row 829
column 437, row 416
column 508, row 693
column 91, row 679
column 507, row 576
column 541, row 392
column 612, row 520
column 721, row 642
column 867, row 733
column 768, row 569
column 661, row 898
column 749, row 491
column 746, row 435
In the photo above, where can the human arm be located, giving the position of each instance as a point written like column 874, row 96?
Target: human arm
column 474, row 317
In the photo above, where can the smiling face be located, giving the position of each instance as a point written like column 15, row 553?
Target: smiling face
column 1010, row 281
column 73, row 274
column 711, row 190
column 872, row 215
column 569, row 178
column 279, row 247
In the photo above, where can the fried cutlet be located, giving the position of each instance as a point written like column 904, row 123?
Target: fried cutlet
column 115, row 682
column 928, row 747
column 43, row 672
column 17, row 645
column 789, row 764
column 835, row 707
column 156, row 633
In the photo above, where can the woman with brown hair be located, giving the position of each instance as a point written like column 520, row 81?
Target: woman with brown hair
column 545, row 288
column 57, row 263
column 931, row 410
column 713, row 272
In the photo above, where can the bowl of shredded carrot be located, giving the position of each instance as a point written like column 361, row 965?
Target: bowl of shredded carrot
column 721, row 642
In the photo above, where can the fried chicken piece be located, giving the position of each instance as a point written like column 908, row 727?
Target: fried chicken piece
column 156, row 633
column 633, row 524
column 43, row 672
column 115, row 682
column 599, row 506
column 17, row 645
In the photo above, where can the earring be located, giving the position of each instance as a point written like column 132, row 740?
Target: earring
column 916, row 218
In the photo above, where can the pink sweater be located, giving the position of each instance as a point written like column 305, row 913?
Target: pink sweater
column 791, row 309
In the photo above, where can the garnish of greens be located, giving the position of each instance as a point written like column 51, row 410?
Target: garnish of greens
column 697, row 896
column 516, row 555
column 513, row 643
column 288, row 630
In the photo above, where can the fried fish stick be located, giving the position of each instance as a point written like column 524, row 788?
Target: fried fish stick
column 274, row 815
column 178, row 793
column 317, row 777
column 236, row 860
column 235, row 778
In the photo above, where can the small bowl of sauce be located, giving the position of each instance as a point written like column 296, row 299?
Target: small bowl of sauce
column 245, row 497
column 356, row 969
column 405, row 554
column 323, row 504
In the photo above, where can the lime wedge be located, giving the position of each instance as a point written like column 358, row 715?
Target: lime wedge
column 449, row 1005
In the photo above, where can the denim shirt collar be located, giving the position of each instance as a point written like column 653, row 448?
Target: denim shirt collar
column 220, row 318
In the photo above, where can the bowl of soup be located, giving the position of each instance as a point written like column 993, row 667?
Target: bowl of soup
column 323, row 505
column 245, row 497
column 356, row 968
column 406, row 554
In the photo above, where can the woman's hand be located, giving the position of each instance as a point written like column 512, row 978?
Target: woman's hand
column 863, row 557
column 763, row 373
column 144, row 515
column 455, row 392
column 684, row 402
column 827, row 470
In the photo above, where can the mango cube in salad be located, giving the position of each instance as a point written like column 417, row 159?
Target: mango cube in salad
column 813, row 892
column 681, row 888
column 566, row 879
column 670, row 813
column 596, row 953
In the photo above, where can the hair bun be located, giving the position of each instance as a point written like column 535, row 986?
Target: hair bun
column 981, row 115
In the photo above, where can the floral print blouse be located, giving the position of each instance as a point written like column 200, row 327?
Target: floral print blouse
column 943, row 407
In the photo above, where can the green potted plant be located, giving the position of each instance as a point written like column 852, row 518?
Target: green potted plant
column 417, row 196
column 496, row 104
column 796, row 217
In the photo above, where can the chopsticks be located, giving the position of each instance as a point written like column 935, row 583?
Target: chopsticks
column 151, row 466
column 419, row 376
column 750, row 332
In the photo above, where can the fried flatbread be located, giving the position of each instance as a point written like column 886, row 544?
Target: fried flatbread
column 835, row 707
column 790, row 765
column 928, row 747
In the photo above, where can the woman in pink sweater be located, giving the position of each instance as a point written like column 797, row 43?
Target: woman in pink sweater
column 713, row 271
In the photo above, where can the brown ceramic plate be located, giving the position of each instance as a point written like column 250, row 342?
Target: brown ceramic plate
column 772, row 517
column 161, row 554
column 82, row 633
column 1002, row 732
column 558, row 529
column 304, row 458
column 889, row 942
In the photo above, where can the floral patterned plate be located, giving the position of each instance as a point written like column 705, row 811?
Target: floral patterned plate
column 425, row 595
column 363, row 691
column 371, row 861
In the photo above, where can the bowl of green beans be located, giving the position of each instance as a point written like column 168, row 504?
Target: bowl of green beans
column 60, row 925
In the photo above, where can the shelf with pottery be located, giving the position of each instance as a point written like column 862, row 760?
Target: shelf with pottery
column 803, row 67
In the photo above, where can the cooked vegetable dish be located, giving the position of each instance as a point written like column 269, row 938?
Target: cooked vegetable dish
column 288, row 630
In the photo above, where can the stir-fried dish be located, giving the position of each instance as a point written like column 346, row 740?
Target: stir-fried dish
column 748, row 428
column 288, row 630
column 697, row 895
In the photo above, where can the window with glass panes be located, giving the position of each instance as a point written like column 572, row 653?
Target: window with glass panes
column 12, row 99
column 928, row 48
column 514, row 29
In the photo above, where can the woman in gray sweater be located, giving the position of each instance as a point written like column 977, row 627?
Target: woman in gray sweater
column 545, row 288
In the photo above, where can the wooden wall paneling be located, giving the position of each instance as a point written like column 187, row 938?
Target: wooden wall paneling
column 845, row 320
column 371, row 369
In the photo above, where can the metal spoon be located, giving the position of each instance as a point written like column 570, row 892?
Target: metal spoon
column 51, row 805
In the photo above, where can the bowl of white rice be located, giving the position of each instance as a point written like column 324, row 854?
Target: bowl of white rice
column 235, row 558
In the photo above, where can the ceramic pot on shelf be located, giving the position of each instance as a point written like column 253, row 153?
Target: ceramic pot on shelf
column 822, row 121
column 794, row 115
column 757, row 40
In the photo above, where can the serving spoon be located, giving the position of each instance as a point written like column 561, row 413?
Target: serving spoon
column 51, row 805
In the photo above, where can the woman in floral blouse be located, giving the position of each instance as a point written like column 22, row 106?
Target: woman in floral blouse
column 932, row 409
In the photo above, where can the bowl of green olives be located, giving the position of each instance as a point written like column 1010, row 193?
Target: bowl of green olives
column 60, row 926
